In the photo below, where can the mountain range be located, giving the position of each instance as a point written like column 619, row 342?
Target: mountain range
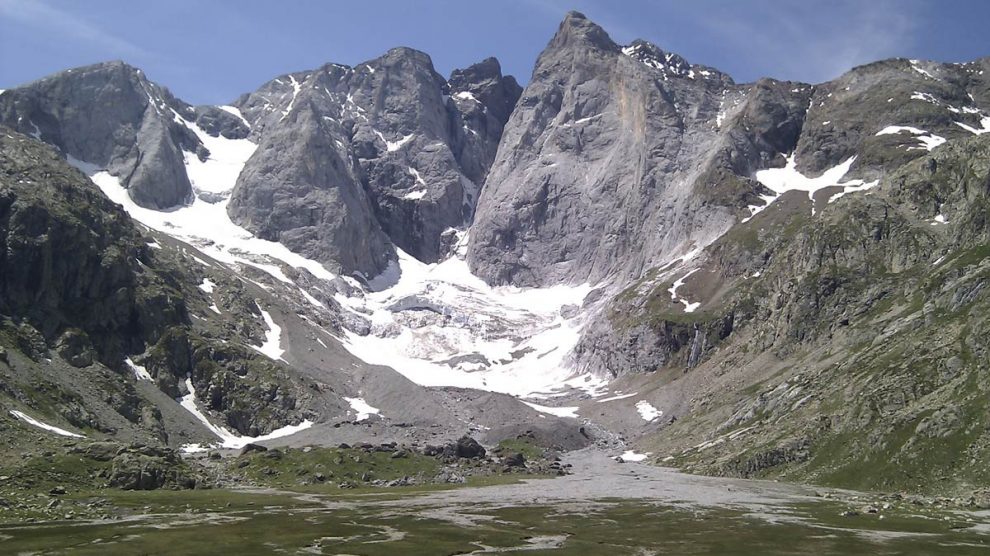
column 771, row 279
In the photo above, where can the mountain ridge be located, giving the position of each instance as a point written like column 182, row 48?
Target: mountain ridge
column 626, row 222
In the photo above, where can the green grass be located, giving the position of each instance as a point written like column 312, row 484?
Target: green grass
column 292, row 468
column 247, row 524
column 525, row 446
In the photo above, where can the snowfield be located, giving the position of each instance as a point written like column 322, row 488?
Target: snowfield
column 439, row 325
column 436, row 324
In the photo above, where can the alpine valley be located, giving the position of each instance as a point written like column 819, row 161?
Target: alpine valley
column 377, row 276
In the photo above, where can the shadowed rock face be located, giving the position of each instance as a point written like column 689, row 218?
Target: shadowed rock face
column 112, row 116
column 71, row 262
column 351, row 160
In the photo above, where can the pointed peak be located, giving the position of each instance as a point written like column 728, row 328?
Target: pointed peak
column 487, row 69
column 577, row 30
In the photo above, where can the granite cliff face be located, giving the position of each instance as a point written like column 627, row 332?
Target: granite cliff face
column 112, row 116
column 350, row 161
column 616, row 159
column 354, row 160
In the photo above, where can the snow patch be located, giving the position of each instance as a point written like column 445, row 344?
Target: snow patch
column 782, row 180
column 647, row 411
column 916, row 65
column 558, row 411
column 36, row 423
column 236, row 112
column 415, row 173
column 416, row 194
column 273, row 338
column 393, row 146
column 984, row 126
column 689, row 307
column 296, row 87
column 140, row 372
column 616, row 397
column 362, row 408
column 928, row 140
column 207, row 285
column 632, row 456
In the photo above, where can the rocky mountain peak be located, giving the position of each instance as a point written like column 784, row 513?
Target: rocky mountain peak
column 110, row 115
column 487, row 70
column 576, row 30
column 401, row 54
column 485, row 83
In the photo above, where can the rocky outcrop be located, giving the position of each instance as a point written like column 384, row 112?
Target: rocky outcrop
column 73, row 265
column 112, row 116
column 251, row 394
column 845, row 115
column 138, row 467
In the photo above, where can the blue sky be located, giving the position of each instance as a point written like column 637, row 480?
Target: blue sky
column 212, row 51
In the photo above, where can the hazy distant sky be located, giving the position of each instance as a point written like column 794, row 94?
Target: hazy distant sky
column 212, row 51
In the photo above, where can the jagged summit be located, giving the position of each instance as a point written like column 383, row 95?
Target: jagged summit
column 651, row 55
column 485, row 82
column 576, row 30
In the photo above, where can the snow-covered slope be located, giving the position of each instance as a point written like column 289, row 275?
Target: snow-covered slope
column 436, row 324
column 440, row 325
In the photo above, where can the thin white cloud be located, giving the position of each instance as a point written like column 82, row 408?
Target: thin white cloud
column 813, row 41
column 42, row 15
